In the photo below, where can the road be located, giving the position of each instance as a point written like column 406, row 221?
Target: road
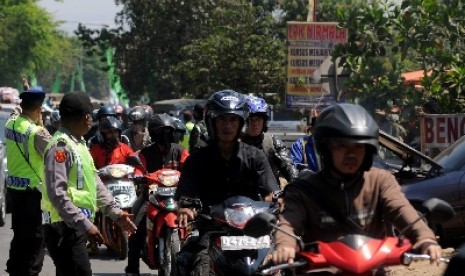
column 102, row 264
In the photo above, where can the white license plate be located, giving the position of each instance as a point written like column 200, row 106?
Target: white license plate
column 121, row 188
column 244, row 242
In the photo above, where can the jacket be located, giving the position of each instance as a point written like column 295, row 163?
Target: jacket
column 370, row 199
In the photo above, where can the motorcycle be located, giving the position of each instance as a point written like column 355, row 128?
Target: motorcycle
column 164, row 237
column 351, row 254
column 233, row 252
column 118, row 178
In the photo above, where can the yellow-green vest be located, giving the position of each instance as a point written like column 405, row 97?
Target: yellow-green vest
column 189, row 126
column 82, row 188
column 20, row 150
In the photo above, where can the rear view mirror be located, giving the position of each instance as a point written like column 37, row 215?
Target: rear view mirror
column 437, row 210
column 260, row 225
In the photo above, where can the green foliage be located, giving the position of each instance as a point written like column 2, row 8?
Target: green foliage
column 386, row 39
column 240, row 52
column 29, row 41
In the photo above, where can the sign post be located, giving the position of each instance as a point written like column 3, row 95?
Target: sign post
column 309, row 44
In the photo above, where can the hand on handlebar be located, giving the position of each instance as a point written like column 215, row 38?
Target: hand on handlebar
column 283, row 254
column 433, row 249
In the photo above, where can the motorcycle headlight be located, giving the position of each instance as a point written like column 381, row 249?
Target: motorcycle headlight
column 238, row 215
column 168, row 178
column 117, row 170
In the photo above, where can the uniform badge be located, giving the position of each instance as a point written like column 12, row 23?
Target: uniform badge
column 60, row 156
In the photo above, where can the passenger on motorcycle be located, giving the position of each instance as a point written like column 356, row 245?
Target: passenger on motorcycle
column 275, row 150
column 224, row 168
column 110, row 150
column 163, row 152
column 346, row 138
column 137, row 132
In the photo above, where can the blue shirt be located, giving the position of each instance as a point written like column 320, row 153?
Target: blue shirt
column 310, row 153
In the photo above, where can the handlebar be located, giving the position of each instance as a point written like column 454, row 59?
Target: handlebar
column 407, row 258
column 276, row 268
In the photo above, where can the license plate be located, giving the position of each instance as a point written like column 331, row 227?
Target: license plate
column 244, row 242
column 121, row 188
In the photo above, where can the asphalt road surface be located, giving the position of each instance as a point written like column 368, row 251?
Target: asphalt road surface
column 103, row 264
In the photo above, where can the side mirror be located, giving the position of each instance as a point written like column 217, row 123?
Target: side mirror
column 437, row 210
column 260, row 225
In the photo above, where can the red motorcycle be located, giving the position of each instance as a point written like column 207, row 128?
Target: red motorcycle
column 352, row 254
column 164, row 236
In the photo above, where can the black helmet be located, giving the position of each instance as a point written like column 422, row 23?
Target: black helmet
column 110, row 123
column 157, row 122
column 105, row 111
column 225, row 102
column 346, row 121
column 137, row 113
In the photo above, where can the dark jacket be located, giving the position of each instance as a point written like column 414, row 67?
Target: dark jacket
column 208, row 176
column 278, row 155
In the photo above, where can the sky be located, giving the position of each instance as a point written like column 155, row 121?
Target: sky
column 92, row 13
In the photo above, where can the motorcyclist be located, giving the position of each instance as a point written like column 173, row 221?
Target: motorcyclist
column 275, row 150
column 110, row 150
column 303, row 151
column 137, row 132
column 103, row 112
column 224, row 168
column 163, row 152
column 346, row 138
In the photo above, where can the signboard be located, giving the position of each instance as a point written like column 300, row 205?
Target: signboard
column 441, row 130
column 309, row 44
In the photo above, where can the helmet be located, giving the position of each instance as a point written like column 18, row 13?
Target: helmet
column 179, row 126
column 105, row 111
column 110, row 123
column 225, row 102
column 55, row 116
column 259, row 107
column 346, row 121
column 160, row 120
column 138, row 113
column 148, row 109
column 157, row 122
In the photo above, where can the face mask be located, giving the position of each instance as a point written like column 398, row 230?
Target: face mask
column 164, row 138
column 111, row 142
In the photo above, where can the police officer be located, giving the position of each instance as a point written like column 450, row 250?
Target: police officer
column 73, row 191
column 26, row 140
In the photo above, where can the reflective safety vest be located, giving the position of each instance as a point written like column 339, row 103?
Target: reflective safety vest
column 25, row 165
column 82, row 188
column 189, row 126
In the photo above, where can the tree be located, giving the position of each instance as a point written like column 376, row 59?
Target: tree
column 29, row 41
column 384, row 37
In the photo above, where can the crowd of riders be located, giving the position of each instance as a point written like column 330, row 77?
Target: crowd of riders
column 223, row 149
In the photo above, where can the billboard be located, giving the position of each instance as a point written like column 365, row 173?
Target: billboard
column 308, row 46
column 441, row 130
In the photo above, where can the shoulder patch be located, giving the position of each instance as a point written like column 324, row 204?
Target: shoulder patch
column 60, row 155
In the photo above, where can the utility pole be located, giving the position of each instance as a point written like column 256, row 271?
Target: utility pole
column 311, row 16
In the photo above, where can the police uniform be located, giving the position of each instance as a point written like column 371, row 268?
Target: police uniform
column 73, row 192
column 25, row 144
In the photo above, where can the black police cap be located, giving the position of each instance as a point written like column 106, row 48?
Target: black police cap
column 75, row 104
column 33, row 93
